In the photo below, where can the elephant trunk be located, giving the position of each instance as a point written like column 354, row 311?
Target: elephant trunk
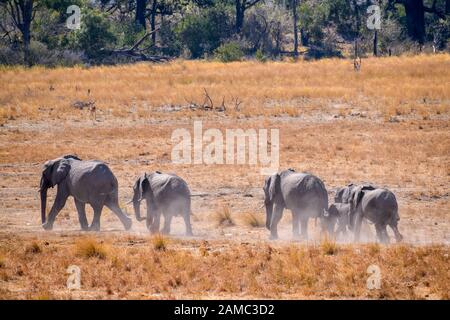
column 137, row 207
column 43, row 191
column 269, row 210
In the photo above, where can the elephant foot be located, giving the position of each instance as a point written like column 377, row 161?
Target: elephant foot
column 189, row 234
column 85, row 228
column 399, row 238
column 47, row 226
column 273, row 237
column 94, row 227
column 165, row 232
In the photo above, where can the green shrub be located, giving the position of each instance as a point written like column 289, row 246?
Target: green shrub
column 259, row 55
column 203, row 33
column 229, row 52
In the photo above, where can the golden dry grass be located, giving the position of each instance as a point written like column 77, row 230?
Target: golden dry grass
column 388, row 124
column 394, row 86
column 90, row 248
column 238, row 270
column 223, row 217
column 253, row 219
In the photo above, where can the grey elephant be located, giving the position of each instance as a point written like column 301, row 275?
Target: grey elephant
column 377, row 205
column 302, row 193
column 339, row 213
column 89, row 182
column 343, row 194
column 165, row 194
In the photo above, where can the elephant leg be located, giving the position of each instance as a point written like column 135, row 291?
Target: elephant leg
column 167, row 222
column 95, row 225
column 378, row 229
column 357, row 226
column 81, row 208
column 154, row 227
column 60, row 201
column 398, row 235
column 276, row 217
column 304, row 227
column 295, row 224
column 187, row 222
column 114, row 207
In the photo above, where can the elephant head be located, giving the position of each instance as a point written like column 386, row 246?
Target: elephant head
column 141, row 189
column 343, row 194
column 271, row 193
column 53, row 173
column 355, row 197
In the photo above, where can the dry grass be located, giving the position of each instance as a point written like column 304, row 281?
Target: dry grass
column 329, row 247
column 253, row 219
column 387, row 125
column 90, row 248
column 237, row 270
column 159, row 242
column 33, row 248
column 223, row 217
column 392, row 85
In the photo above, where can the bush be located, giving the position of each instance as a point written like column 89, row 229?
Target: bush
column 203, row 33
column 228, row 52
column 10, row 56
column 259, row 55
column 95, row 36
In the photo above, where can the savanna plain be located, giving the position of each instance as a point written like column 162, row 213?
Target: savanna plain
column 387, row 124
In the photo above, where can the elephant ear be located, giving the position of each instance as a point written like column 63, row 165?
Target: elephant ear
column 59, row 171
column 142, row 185
column 274, row 186
column 356, row 198
column 338, row 196
column 71, row 156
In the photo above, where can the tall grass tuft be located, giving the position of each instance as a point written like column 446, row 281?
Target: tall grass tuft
column 90, row 248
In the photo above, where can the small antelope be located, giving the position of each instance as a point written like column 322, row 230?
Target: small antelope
column 357, row 64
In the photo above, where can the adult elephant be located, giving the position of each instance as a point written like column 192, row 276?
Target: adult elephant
column 377, row 205
column 165, row 194
column 89, row 182
column 302, row 193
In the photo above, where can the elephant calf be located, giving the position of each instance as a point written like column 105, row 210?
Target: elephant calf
column 340, row 213
column 376, row 205
column 88, row 182
column 165, row 194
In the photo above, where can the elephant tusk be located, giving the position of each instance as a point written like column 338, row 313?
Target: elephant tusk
column 261, row 206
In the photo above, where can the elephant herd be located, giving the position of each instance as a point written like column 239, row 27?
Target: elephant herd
column 92, row 182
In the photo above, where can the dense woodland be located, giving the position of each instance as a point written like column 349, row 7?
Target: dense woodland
column 119, row 31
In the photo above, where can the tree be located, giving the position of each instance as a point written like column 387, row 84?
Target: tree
column 22, row 13
column 415, row 16
column 241, row 6
column 295, row 17
column 140, row 12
